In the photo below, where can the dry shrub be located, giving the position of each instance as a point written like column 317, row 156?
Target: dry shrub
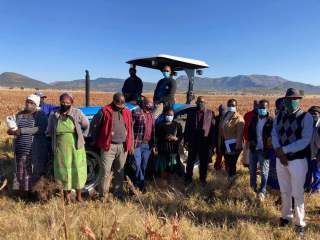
column 47, row 188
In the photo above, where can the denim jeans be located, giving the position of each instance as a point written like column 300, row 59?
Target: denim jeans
column 141, row 156
column 255, row 157
column 315, row 166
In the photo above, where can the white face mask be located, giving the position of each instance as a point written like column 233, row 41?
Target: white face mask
column 169, row 118
column 232, row 109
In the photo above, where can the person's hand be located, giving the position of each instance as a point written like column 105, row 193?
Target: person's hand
column 284, row 160
column 131, row 151
column 174, row 138
column 185, row 145
column 18, row 132
column 155, row 151
column 281, row 155
column 14, row 132
column 279, row 152
column 10, row 132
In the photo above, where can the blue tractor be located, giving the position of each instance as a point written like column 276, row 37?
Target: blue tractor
column 191, row 67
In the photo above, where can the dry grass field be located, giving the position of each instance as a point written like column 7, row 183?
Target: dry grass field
column 218, row 211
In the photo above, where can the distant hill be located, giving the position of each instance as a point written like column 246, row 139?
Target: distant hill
column 247, row 83
column 101, row 84
column 244, row 83
column 10, row 79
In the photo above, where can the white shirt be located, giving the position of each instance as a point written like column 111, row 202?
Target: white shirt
column 260, row 125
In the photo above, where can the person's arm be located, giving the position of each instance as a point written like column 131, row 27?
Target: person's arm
column 187, row 129
column 124, row 87
column 305, row 139
column 274, row 135
column 180, row 133
column 240, row 126
column 84, row 123
column 140, row 88
column 212, row 132
column 41, row 125
column 155, row 95
column 50, row 125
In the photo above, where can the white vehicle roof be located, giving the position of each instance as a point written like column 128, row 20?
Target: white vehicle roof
column 176, row 63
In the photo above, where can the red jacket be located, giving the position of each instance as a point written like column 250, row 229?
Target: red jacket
column 105, row 136
column 247, row 120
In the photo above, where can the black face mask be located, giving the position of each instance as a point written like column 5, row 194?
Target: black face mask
column 65, row 108
column 201, row 106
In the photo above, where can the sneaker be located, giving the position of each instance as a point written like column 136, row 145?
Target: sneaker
column 261, row 197
column 300, row 231
column 284, row 222
column 3, row 182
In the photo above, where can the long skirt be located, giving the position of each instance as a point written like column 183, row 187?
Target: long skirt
column 23, row 178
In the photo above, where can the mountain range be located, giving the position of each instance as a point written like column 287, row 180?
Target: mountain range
column 247, row 83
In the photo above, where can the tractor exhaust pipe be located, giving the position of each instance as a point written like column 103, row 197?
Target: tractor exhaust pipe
column 87, row 89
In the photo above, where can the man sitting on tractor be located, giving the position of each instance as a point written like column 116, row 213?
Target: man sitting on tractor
column 164, row 94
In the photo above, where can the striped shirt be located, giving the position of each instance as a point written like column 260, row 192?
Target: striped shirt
column 23, row 143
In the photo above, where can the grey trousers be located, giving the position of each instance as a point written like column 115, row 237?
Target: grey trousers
column 116, row 158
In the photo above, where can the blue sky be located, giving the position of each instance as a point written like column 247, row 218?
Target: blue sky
column 59, row 39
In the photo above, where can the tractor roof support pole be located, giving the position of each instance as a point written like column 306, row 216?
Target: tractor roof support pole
column 191, row 75
column 87, row 89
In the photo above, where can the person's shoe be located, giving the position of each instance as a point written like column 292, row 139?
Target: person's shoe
column 300, row 231
column 284, row 222
column 3, row 182
column 261, row 197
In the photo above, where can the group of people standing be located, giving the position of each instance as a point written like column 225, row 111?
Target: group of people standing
column 285, row 147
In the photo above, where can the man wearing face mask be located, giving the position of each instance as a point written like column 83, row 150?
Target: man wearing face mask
column 115, row 141
column 315, row 150
column 231, row 128
column 291, row 134
column 259, row 138
column 247, row 120
column 143, row 129
column 199, row 136
column 132, row 87
column 164, row 94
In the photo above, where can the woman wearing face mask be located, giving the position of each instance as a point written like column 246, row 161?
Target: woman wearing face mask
column 30, row 146
column 67, row 128
column 168, row 137
column 231, row 128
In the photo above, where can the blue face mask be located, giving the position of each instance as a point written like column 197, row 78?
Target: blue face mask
column 166, row 74
column 169, row 118
column 262, row 112
column 232, row 109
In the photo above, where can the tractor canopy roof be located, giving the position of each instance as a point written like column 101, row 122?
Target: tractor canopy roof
column 176, row 63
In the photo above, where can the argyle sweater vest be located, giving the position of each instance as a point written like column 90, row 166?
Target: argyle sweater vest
column 290, row 130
